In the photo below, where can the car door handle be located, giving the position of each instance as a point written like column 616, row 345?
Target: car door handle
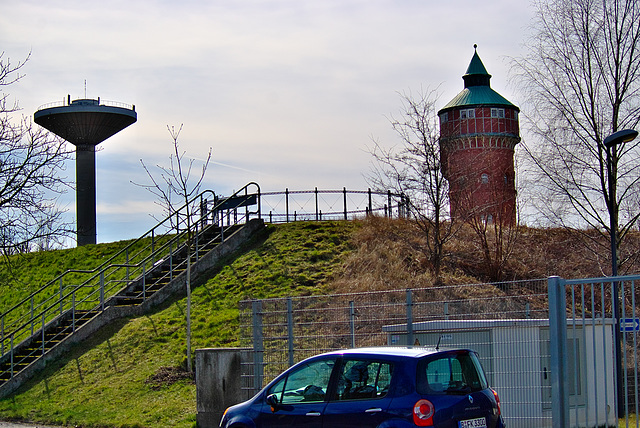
column 314, row 414
column 374, row 410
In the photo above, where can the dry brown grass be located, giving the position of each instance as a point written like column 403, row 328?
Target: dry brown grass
column 390, row 254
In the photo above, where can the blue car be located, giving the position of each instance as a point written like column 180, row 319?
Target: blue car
column 392, row 387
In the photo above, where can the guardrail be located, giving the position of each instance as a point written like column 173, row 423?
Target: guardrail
column 67, row 102
column 317, row 205
column 78, row 293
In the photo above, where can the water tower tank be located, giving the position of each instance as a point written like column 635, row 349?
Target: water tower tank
column 85, row 123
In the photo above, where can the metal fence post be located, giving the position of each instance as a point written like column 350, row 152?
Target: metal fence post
column 409, row 318
column 144, row 279
column 352, row 322
column 11, row 355
column 102, row 290
column 286, row 192
column 61, row 298
column 31, row 315
column 316, row 193
column 290, row 329
column 558, row 347
column 197, row 241
column 258, row 347
column 170, row 261
column 73, row 311
column 43, row 334
column 344, row 193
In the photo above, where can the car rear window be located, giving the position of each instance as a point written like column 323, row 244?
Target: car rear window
column 450, row 373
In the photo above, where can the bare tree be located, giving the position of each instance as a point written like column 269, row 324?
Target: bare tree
column 30, row 162
column 492, row 223
column 175, row 185
column 414, row 169
column 581, row 77
column 176, row 188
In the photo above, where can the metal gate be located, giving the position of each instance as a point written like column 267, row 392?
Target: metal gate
column 593, row 329
column 549, row 347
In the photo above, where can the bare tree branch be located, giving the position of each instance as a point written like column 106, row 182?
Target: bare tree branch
column 175, row 182
column 414, row 169
column 30, row 162
column 581, row 80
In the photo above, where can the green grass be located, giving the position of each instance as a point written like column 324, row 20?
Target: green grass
column 26, row 273
column 104, row 382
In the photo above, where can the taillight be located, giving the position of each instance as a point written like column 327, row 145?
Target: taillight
column 423, row 412
column 495, row 394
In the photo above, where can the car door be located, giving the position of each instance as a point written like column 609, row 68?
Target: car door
column 301, row 396
column 456, row 385
column 361, row 398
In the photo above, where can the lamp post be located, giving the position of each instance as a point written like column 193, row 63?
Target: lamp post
column 623, row 136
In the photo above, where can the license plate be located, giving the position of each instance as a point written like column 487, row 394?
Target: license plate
column 473, row 423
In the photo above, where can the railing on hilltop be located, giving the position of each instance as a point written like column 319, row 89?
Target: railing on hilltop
column 78, row 295
column 317, row 205
column 67, row 102
column 75, row 292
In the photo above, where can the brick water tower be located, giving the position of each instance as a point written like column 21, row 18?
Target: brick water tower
column 478, row 134
column 85, row 123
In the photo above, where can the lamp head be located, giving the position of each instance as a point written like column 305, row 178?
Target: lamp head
column 623, row 136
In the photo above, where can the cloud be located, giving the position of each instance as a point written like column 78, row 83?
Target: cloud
column 285, row 92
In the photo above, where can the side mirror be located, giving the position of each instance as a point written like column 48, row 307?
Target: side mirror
column 272, row 400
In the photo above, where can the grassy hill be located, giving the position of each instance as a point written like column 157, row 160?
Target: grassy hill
column 131, row 373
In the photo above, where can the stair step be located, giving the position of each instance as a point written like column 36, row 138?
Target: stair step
column 128, row 301
column 164, row 271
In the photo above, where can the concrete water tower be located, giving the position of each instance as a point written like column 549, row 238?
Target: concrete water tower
column 85, row 123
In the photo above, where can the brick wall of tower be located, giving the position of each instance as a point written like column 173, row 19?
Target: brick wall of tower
column 477, row 152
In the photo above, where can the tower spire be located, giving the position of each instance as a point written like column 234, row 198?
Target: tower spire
column 476, row 74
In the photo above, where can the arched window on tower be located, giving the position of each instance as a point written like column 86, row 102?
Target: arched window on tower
column 484, row 178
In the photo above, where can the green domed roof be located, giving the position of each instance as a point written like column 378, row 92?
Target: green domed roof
column 477, row 90
column 478, row 95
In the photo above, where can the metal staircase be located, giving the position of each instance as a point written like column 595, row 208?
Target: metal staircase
column 145, row 273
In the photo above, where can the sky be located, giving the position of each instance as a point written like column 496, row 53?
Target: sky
column 286, row 93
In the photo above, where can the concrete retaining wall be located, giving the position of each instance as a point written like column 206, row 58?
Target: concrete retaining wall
column 218, row 382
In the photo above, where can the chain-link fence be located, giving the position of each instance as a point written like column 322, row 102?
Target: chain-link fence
column 506, row 323
column 558, row 352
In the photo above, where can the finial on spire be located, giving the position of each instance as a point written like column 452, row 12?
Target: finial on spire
column 475, row 46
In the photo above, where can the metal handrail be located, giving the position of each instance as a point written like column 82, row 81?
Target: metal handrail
column 106, row 103
column 111, row 274
column 375, row 202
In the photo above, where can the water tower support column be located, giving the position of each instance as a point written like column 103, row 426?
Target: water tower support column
column 86, row 193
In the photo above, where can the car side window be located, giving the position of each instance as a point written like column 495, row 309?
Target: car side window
column 361, row 379
column 307, row 383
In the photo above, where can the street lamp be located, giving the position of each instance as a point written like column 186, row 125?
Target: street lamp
column 619, row 137
column 623, row 136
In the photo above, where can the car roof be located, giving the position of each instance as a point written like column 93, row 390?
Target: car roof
column 390, row 351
